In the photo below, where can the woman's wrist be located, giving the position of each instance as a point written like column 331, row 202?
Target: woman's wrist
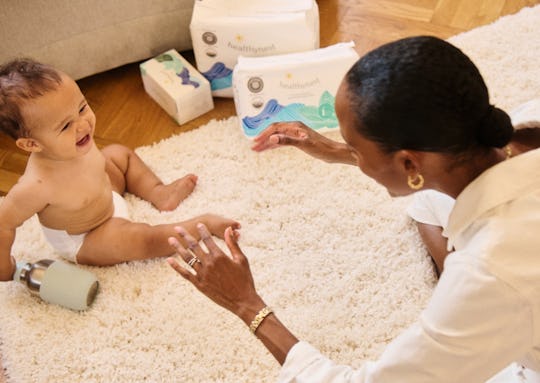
column 247, row 311
column 259, row 318
column 335, row 152
column 264, row 324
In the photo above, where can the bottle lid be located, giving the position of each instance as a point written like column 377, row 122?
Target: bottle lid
column 20, row 269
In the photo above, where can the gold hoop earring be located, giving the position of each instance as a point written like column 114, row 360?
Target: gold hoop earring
column 415, row 183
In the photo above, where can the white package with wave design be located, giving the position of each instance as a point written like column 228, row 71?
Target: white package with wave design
column 292, row 87
column 222, row 30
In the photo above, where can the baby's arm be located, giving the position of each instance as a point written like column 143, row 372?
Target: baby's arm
column 7, row 262
column 21, row 203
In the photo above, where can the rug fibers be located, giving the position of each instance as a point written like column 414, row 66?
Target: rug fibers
column 331, row 252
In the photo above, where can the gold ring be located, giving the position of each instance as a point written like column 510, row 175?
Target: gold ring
column 193, row 260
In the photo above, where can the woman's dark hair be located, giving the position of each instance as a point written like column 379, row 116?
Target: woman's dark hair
column 20, row 80
column 422, row 93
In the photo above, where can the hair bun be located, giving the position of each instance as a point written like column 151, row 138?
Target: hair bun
column 495, row 128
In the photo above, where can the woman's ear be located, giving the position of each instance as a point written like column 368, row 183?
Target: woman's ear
column 408, row 161
column 28, row 144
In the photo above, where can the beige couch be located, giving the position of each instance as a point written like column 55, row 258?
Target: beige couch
column 84, row 37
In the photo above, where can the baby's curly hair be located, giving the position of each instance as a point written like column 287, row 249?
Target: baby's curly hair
column 20, row 80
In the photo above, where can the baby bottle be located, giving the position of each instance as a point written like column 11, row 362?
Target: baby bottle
column 58, row 282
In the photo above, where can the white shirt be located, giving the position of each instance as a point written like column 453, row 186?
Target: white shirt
column 485, row 310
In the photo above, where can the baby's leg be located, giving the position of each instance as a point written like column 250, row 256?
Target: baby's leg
column 128, row 173
column 119, row 240
column 435, row 243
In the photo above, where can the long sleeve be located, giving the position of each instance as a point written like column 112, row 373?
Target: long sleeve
column 474, row 326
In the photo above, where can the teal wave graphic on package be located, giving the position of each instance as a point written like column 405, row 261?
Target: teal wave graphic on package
column 316, row 117
column 219, row 75
column 172, row 63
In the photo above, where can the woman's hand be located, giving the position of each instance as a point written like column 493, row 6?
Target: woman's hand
column 299, row 135
column 227, row 280
column 285, row 133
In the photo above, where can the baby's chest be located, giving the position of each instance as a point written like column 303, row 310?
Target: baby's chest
column 83, row 191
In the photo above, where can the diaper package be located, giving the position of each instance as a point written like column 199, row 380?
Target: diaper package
column 177, row 86
column 292, row 87
column 222, row 30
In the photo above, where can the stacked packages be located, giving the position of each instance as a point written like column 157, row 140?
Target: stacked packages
column 263, row 53
column 223, row 30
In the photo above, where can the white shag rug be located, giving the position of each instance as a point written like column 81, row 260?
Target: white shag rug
column 334, row 255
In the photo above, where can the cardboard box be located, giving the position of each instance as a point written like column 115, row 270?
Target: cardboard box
column 177, row 86
column 293, row 87
column 222, row 30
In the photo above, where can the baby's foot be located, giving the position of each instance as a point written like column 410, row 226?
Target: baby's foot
column 168, row 197
column 217, row 224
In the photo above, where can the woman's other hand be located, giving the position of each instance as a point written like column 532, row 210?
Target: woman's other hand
column 299, row 135
column 284, row 133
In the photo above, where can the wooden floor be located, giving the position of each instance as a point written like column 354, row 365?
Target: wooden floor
column 125, row 114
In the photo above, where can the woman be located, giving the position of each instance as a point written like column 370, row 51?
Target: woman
column 415, row 114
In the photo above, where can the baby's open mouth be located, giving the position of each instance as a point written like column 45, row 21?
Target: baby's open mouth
column 83, row 140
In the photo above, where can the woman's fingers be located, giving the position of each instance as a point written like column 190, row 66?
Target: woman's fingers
column 263, row 136
column 192, row 254
column 192, row 243
column 180, row 269
column 268, row 143
column 206, row 237
column 279, row 134
column 180, row 250
column 231, row 238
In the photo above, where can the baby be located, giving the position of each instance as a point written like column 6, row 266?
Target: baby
column 74, row 188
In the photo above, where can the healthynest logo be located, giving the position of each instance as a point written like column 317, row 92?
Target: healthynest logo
column 239, row 45
column 291, row 83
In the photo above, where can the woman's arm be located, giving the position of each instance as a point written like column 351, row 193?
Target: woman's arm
column 458, row 318
column 299, row 135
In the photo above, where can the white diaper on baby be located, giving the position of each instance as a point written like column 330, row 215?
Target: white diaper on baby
column 68, row 245
column 291, row 87
column 431, row 207
column 222, row 30
column 526, row 115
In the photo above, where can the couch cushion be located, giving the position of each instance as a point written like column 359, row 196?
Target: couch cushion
column 84, row 37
